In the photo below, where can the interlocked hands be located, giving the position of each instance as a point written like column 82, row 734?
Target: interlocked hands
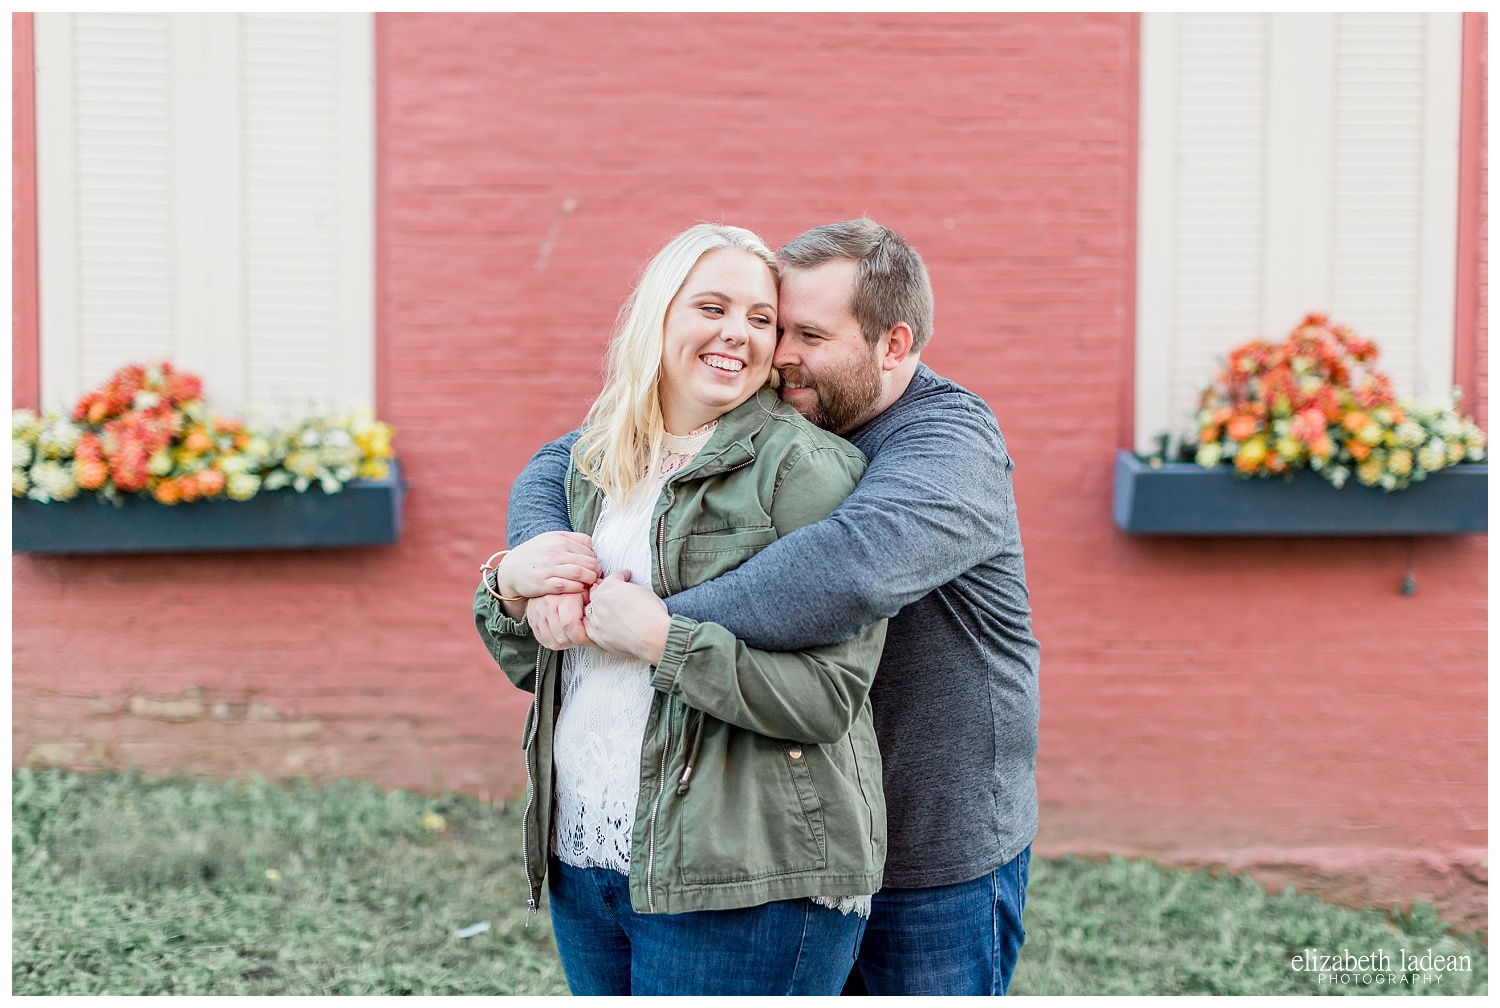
column 567, row 605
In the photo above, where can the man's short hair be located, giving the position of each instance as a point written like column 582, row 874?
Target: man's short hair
column 892, row 284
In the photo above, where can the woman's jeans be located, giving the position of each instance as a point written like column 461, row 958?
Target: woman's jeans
column 787, row 947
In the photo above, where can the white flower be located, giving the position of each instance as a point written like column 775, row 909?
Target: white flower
column 1410, row 435
column 1449, row 427
column 58, row 438
column 21, row 453
column 52, row 481
column 24, row 423
column 145, row 399
column 1433, row 455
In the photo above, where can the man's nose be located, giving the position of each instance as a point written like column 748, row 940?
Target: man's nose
column 785, row 356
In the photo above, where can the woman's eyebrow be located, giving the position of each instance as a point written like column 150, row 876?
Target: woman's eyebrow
column 721, row 296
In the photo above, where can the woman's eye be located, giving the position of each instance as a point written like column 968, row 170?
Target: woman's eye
column 713, row 308
column 760, row 320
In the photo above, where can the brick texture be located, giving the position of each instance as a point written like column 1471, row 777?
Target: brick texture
column 1268, row 705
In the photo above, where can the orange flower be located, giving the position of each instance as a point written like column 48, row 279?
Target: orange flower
column 1354, row 420
column 1358, row 449
column 210, row 482
column 91, row 473
column 1242, row 427
column 166, row 492
column 188, row 488
column 198, row 441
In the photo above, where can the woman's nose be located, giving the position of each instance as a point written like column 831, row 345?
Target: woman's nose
column 736, row 329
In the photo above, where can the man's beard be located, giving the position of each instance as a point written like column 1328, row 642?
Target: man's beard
column 843, row 396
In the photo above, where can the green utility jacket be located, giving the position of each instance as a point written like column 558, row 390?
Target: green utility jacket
column 760, row 774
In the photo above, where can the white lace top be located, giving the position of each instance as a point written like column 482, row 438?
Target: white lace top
column 606, row 700
column 607, row 697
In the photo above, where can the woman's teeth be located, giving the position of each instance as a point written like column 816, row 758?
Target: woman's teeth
column 723, row 363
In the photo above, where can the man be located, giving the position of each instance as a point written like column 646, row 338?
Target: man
column 929, row 538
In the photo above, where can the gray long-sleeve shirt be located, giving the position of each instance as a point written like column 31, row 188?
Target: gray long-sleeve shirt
column 928, row 538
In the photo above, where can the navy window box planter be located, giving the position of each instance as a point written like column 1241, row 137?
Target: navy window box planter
column 364, row 513
column 1185, row 499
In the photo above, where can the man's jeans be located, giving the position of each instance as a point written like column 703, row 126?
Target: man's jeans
column 954, row 939
column 787, row 947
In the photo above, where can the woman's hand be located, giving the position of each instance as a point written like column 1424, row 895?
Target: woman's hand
column 627, row 618
column 557, row 621
column 550, row 564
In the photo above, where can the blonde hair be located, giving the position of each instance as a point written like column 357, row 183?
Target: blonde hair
column 622, row 434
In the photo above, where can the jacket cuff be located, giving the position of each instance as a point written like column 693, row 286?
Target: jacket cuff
column 674, row 655
column 500, row 624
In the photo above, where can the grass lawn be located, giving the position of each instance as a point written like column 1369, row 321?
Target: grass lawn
column 127, row 885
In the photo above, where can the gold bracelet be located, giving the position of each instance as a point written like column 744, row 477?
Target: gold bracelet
column 489, row 567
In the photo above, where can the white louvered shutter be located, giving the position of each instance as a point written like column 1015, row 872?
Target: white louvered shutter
column 1293, row 163
column 206, row 195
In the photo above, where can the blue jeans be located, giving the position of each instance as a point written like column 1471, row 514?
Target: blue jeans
column 786, row 947
column 953, row 939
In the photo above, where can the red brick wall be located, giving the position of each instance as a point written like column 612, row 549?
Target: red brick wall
column 24, row 388
column 1274, row 703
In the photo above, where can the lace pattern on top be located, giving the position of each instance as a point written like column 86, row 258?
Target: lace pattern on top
column 607, row 697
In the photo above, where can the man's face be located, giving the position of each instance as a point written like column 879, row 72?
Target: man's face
column 829, row 371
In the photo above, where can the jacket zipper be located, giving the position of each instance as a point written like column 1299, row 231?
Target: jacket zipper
column 661, row 782
column 536, row 712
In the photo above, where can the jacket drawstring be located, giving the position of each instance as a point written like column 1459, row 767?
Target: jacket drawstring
column 690, row 751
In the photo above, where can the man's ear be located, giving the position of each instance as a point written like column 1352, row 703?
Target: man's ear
column 894, row 346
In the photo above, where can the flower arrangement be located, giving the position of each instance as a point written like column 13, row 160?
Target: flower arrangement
column 1317, row 401
column 147, row 430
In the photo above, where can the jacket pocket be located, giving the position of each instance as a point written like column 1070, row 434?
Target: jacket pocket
column 706, row 555
column 753, row 811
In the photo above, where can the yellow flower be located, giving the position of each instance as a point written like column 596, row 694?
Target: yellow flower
column 1288, row 448
column 1369, row 471
column 1399, row 462
column 1251, row 454
column 303, row 463
column 242, row 486
column 273, row 874
column 432, row 821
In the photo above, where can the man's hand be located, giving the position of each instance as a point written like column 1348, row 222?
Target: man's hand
column 627, row 618
column 557, row 621
column 550, row 564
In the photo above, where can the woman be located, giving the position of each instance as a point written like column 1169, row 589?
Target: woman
column 712, row 812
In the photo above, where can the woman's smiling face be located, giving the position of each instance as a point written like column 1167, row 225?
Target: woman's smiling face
column 720, row 337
